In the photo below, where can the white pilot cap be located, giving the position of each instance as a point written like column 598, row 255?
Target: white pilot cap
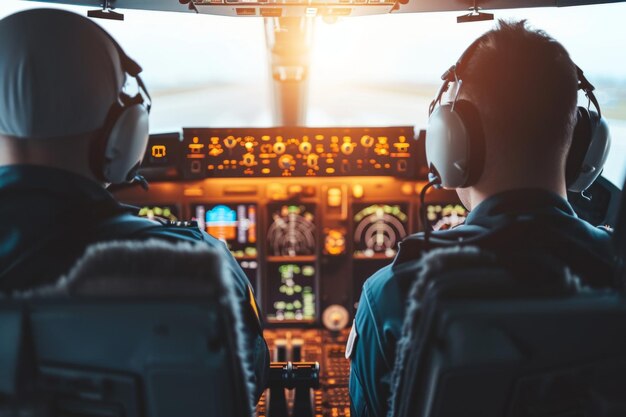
column 59, row 74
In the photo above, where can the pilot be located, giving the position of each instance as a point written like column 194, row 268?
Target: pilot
column 523, row 86
column 68, row 128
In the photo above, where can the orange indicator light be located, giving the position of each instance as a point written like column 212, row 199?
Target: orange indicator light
column 159, row 151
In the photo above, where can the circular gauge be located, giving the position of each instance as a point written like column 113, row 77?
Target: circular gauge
column 379, row 228
column 335, row 317
column 292, row 232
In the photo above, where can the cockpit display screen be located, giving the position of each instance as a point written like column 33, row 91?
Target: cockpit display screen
column 443, row 216
column 291, row 230
column 291, row 292
column 378, row 228
column 152, row 211
column 235, row 224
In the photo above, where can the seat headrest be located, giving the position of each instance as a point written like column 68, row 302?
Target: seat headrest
column 151, row 268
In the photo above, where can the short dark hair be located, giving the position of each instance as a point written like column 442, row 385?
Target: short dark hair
column 525, row 87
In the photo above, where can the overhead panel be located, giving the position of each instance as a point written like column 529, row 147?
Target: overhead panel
column 274, row 8
column 280, row 8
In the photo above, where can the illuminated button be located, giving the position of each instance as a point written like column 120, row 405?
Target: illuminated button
column 248, row 160
column 265, row 171
column 305, row 148
column 407, row 188
column 216, row 151
column 280, row 148
column 249, row 145
column 334, row 197
column 335, row 242
column 294, row 190
column 159, row 151
column 357, row 191
column 330, row 170
column 312, row 161
column 230, row 142
column 195, row 148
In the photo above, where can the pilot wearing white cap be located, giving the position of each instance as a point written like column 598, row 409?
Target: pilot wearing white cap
column 68, row 127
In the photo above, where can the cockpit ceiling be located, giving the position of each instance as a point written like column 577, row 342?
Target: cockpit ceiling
column 359, row 7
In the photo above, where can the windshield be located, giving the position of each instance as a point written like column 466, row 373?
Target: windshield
column 379, row 70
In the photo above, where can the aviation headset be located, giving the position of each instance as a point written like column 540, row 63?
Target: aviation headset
column 455, row 142
column 118, row 150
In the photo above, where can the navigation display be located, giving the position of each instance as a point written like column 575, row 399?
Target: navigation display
column 378, row 228
column 292, row 230
column 291, row 292
column 443, row 216
column 152, row 211
column 235, row 224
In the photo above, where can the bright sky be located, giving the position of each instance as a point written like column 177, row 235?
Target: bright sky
column 178, row 49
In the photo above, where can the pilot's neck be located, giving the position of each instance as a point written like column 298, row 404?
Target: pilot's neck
column 69, row 155
column 471, row 197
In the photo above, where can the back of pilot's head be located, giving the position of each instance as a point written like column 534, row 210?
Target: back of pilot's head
column 60, row 75
column 524, row 85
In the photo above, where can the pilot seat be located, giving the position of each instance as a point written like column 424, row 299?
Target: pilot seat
column 523, row 337
column 135, row 329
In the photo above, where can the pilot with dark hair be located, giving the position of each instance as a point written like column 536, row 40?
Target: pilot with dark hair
column 68, row 128
column 524, row 86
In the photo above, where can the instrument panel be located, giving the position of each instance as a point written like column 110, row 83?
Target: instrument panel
column 308, row 213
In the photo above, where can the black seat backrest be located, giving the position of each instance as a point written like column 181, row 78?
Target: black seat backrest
column 479, row 340
column 135, row 329
column 620, row 240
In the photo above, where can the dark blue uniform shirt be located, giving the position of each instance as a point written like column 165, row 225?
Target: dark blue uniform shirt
column 521, row 219
column 48, row 216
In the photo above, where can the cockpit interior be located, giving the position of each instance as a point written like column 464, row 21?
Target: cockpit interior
column 293, row 131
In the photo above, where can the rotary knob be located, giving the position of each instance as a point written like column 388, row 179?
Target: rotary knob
column 347, row 148
column 367, row 141
column 280, row 148
column 286, row 162
column 305, row 148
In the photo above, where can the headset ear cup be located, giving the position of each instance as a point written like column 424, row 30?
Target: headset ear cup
column 455, row 144
column 99, row 144
column 126, row 145
column 590, row 147
column 473, row 123
column 581, row 138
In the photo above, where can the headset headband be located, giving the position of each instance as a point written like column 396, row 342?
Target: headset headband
column 132, row 68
